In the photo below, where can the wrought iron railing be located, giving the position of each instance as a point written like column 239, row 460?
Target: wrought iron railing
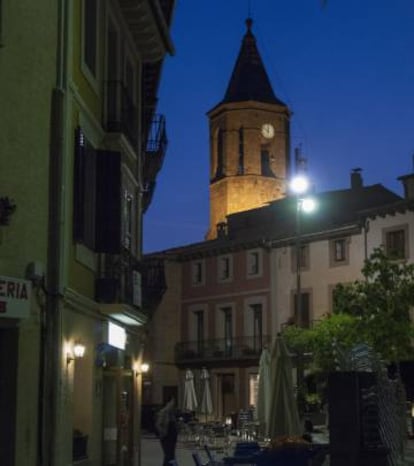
column 155, row 147
column 247, row 347
column 121, row 113
column 119, row 280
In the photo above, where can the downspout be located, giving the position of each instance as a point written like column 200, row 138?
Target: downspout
column 51, row 351
column 366, row 230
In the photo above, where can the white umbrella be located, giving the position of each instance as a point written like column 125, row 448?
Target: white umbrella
column 283, row 415
column 206, row 406
column 190, row 399
column 263, row 391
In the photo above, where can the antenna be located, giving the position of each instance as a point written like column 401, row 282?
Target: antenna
column 300, row 160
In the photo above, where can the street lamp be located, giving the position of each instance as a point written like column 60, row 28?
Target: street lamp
column 299, row 185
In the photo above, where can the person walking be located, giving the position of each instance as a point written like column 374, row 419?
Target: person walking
column 166, row 425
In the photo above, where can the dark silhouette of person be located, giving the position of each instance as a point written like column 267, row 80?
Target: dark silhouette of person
column 166, row 425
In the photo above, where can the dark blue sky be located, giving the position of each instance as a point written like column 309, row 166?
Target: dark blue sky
column 346, row 71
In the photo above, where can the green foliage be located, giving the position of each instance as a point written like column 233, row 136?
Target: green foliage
column 374, row 310
column 381, row 304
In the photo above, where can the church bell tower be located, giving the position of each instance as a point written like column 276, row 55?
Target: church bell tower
column 249, row 140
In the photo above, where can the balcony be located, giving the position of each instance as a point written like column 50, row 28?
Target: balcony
column 118, row 288
column 240, row 350
column 121, row 113
column 155, row 147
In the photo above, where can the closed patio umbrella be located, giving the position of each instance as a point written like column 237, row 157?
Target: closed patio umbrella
column 206, row 405
column 263, row 392
column 190, row 399
column 283, row 414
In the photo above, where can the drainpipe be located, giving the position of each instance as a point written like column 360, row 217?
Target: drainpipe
column 366, row 230
column 51, row 351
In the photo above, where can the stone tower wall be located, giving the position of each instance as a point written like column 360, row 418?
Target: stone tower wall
column 235, row 191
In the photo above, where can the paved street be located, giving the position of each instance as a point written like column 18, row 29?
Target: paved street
column 152, row 453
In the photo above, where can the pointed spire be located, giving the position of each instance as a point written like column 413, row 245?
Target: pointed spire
column 249, row 80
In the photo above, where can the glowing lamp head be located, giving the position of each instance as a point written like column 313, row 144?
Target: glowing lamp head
column 299, row 184
column 308, row 205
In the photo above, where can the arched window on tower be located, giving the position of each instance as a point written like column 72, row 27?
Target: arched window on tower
column 265, row 160
column 220, row 155
column 240, row 168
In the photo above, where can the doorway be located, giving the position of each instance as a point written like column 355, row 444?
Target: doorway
column 226, row 395
column 8, row 388
column 118, row 408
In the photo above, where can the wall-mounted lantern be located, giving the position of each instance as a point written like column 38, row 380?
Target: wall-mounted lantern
column 78, row 352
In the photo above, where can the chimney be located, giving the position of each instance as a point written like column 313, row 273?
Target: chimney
column 408, row 185
column 221, row 230
column 356, row 179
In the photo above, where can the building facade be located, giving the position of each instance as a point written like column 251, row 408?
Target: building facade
column 81, row 147
column 229, row 296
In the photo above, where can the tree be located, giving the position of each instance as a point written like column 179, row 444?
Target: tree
column 381, row 305
column 374, row 310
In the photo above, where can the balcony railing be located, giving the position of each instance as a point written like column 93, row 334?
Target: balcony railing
column 121, row 113
column 119, row 281
column 155, row 147
column 241, row 348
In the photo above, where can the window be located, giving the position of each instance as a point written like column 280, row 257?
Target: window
column 339, row 252
column 395, row 243
column 1, row 24
column 224, row 268
column 254, row 263
column 265, row 161
column 304, row 259
column 302, row 318
column 220, row 155
column 197, row 273
column 253, row 389
column 199, row 321
column 240, row 168
column 228, row 331
column 257, row 315
column 128, row 219
column 90, row 37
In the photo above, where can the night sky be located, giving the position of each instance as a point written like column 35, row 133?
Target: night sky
column 346, row 72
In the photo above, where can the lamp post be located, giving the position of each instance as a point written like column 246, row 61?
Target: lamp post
column 300, row 187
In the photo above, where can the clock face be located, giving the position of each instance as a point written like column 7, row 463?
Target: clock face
column 268, row 131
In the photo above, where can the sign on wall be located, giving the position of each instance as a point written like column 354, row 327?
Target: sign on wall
column 15, row 297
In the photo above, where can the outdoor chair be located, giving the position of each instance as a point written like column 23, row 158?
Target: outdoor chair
column 197, row 460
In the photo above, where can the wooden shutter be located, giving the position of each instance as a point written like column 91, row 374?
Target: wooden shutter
column 108, row 202
column 84, row 191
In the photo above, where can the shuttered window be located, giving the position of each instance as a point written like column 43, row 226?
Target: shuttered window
column 84, row 191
